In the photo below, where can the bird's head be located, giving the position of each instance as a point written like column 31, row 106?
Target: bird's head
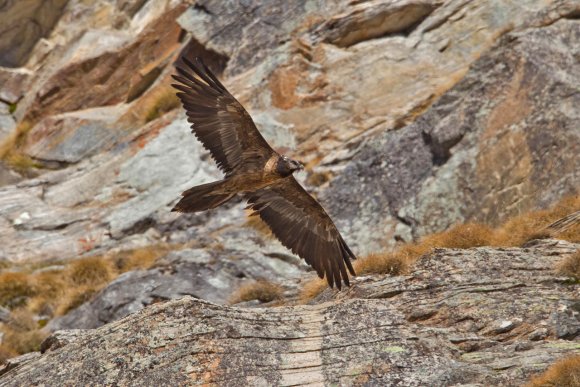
column 287, row 166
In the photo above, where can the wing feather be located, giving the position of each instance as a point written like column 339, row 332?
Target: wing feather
column 302, row 225
column 218, row 120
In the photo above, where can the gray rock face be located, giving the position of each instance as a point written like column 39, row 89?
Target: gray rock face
column 463, row 317
column 246, row 32
column 72, row 137
column 504, row 137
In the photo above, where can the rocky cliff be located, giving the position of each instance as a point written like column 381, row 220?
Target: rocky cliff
column 411, row 116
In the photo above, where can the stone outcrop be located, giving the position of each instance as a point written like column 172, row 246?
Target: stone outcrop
column 505, row 137
column 463, row 317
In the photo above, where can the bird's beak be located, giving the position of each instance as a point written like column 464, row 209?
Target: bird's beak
column 300, row 166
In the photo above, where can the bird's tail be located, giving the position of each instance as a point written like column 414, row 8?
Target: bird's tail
column 203, row 197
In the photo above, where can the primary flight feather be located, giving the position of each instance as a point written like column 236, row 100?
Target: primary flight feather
column 258, row 173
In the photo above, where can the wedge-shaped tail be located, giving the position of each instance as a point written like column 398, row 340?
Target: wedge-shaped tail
column 203, row 197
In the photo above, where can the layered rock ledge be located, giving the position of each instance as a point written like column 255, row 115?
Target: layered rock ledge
column 463, row 317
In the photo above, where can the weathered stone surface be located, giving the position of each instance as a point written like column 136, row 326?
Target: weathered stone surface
column 14, row 83
column 440, row 327
column 505, row 137
column 109, row 63
column 375, row 19
column 117, row 192
column 75, row 136
column 61, row 338
column 23, row 23
column 7, row 123
column 247, row 32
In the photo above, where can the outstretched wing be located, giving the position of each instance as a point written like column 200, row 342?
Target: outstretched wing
column 218, row 120
column 302, row 225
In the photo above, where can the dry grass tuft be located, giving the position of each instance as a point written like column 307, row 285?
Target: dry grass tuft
column 91, row 271
column 164, row 101
column 261, row 290
column 564, row 372
column 570, row 266
column 49, row 293
column 6, row 353
column 312, row 289
column 75, row 298
column 531, row 225
column 461, row 236
column 22, row 333
column 135, row 259
column 10, row 153
column 318, row 178
column 393, row 263
column 15, row 289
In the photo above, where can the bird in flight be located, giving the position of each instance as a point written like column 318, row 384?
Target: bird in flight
column 258, row 173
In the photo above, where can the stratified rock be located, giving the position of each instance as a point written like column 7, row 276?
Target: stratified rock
column 439, row 328
column 376, row 19
column 505, row 137
column 75, row 136
column 103, row 67
column 23, row 23
column 84, row 208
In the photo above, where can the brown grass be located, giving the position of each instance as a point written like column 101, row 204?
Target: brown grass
column 55, row 292
column 261, row 290
column 393, row 263
column 513, row 233
column 91, row 271
column 21, row 334
column 139, row 258
column 15, row 289
column 563, row 373
column 318, row 178
column 75, row 298
column 312, row 289
column 525, row 227
column 570, row 266
column 163, row 102
column 461, row 236
column 6, row 353
column 10, row 153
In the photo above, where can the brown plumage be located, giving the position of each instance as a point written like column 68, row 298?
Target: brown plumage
column 257, row 173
